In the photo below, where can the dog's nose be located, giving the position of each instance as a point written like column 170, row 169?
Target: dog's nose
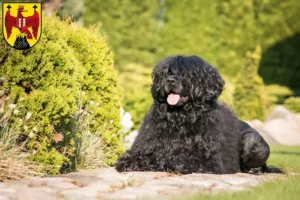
column 171, row 80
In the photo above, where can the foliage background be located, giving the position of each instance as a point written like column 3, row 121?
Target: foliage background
column 220, row 31
column 255, row 44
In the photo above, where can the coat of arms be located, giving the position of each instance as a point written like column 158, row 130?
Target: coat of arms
column 21, row 24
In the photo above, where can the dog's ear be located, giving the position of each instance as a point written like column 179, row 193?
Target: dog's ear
column 155, row 85
column 208, row 83
column 214, row 85
column 158, row 79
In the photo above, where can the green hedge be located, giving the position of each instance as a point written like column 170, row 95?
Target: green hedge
column 66, row 86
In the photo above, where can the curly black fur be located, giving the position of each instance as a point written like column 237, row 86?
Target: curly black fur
column 196, row 134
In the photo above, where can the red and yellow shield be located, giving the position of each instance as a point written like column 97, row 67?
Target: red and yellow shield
column 22, row 24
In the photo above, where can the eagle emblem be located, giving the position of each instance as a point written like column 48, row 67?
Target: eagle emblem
column 22, row 24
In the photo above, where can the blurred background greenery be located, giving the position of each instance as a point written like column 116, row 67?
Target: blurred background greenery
column 255, row 44
column 221, row 31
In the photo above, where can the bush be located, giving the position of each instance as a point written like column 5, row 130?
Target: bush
column 66, row 86
column 276, row 94
column 136, row 81
column 293, row 104
column 227, row 94
column 249, row 100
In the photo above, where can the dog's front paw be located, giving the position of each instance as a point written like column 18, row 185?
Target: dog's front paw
column 124, row 163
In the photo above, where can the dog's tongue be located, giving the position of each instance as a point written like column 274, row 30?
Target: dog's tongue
column 173, row 99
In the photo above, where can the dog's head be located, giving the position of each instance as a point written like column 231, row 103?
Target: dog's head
column 178, row 80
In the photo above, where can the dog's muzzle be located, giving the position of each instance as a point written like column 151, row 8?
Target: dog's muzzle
column 174, row 98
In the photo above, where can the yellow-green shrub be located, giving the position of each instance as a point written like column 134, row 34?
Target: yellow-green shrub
column 276, row 94
column 249, row 99
column 227, row 94
column 67, row 74
column 293, row 104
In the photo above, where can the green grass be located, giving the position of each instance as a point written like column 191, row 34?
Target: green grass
column 284, row 157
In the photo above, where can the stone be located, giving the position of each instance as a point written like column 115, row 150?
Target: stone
column 99, row 187
column 129, row 139
column 279, row 112
column 89, row 192
column 139, row 176
column 176, row 182
column 268, row 137
column 281, row 127
column 7, row 191
column 106, row 183
column 113, row 179
column 35, row 193
column 240, row 181
column 284, row 131
column 130, row 193
column 209, row 184
column 46, row 181
column 298, row 117
column 80, row 194
column 164, row 189
column 255, row 123
column 196, row 176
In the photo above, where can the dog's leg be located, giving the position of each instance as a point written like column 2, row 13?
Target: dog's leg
column 129, row 161
column 255, row 151
column 137, row 161
column 124, row 163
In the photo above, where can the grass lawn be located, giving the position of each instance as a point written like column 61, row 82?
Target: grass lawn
column 285, row 157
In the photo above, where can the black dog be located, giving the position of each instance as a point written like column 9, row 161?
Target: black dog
column 187, row 131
